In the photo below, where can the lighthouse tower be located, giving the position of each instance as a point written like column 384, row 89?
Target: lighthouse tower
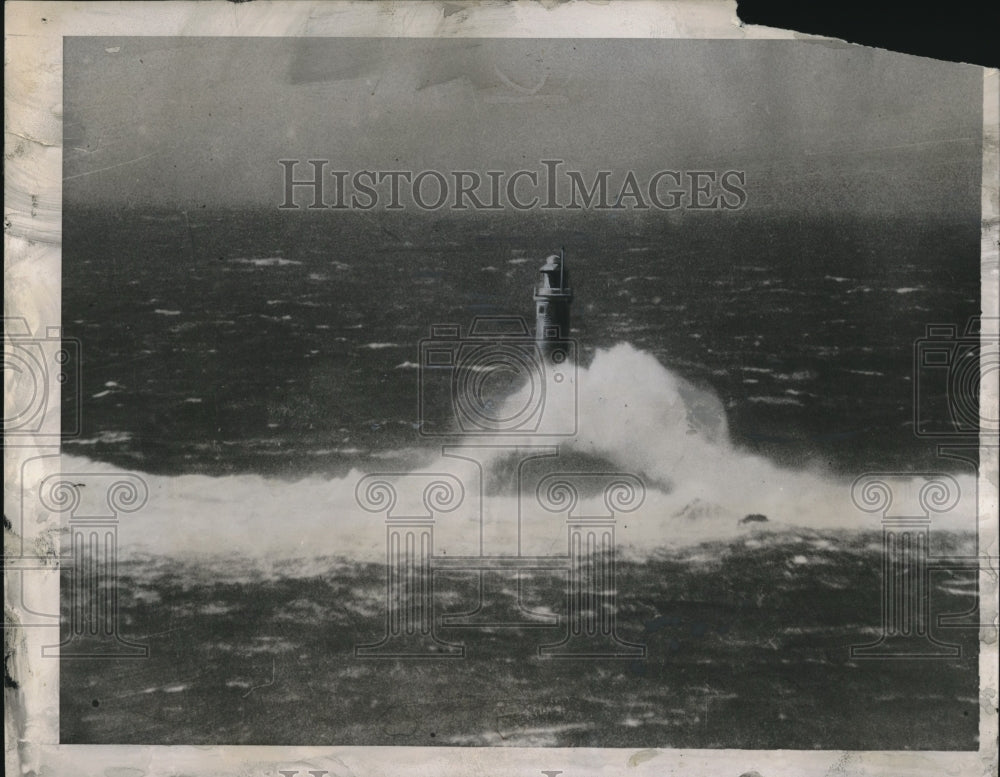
column 553, row 296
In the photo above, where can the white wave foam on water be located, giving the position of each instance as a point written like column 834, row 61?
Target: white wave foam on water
column 774, row 401
column 268, row 261
column 635, row 416
column 107, row 437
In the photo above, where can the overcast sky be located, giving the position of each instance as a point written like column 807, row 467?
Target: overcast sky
column 817, row 126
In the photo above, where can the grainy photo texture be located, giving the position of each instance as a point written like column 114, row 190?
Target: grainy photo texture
column 511, row 392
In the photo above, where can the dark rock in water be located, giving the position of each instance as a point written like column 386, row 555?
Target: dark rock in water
column 753, row 518
column 753, row 774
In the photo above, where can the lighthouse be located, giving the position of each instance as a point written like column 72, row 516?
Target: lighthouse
column 553, row 296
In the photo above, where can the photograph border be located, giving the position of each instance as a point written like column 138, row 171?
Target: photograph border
column 32, row 292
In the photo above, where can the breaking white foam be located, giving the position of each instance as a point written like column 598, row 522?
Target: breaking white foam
column 632, row 413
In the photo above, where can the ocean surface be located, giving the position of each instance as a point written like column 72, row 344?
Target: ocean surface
column 253, row 367
column 747, row 646
column 284, row 343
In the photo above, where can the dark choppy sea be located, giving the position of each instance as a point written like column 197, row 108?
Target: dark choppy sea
column 277, row 343
column 748, row 646
column 278, row 352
